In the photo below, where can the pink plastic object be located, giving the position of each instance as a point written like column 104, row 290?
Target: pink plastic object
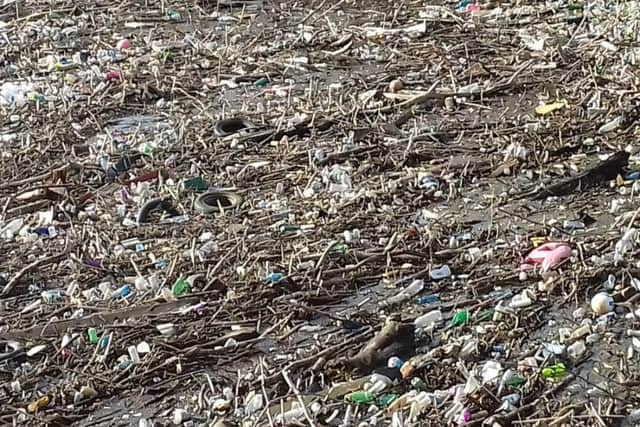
column 113, row 75
column 473, row 8
column 464, row 417
column 123, row 44
column 548, row 256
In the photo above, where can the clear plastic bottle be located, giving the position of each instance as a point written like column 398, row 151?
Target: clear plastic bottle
column 413, row 289
column 428, row 320
column 420, row 402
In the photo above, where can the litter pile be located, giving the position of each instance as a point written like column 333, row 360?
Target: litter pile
column 239, row 213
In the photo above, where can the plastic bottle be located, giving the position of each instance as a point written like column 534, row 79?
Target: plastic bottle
column 254, row 404
column 122, row 292
column 92, row 334
column 133, row 354
column 420, row 402
column 428, row 320
column 180, row 416
column 274, row 277
column 9, row 230
column 345, row 388
column 429, row 299
column 624, row 245
column 394, row 362
column 166, row 329
column 387, row 400
column 469, row 348
column 361, row 397
column 413, row 289
column 379, row 383
column 611, row 125
column 290, row 416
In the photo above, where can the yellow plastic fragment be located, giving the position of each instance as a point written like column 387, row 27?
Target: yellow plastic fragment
column 545, row 109
column 38, row 404
column 537, row 241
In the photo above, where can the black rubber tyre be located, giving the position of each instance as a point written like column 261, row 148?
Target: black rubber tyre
column 230, row 126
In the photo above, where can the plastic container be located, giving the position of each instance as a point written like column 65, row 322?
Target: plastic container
column 133, row 354
column 521, row 300
column 576, row 350
column 52, row 296
column 441, row 273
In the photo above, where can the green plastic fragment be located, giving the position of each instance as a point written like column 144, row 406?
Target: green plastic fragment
column 92, row 333
column 460, row 318
column 180, row 287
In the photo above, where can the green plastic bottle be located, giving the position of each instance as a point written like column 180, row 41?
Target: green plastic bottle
column 261, row 83
column 460, row 318
column 361, row 397
column 515, row 381
column 340, row 249
column 92, row 333
column 485, row 315
column 386, row 400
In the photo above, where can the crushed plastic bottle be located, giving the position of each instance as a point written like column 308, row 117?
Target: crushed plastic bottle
column 339, row 180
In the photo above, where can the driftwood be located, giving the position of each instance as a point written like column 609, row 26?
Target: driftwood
column 599, row 174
